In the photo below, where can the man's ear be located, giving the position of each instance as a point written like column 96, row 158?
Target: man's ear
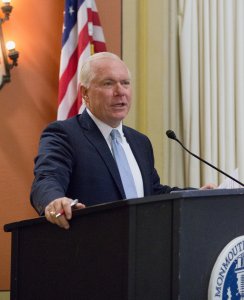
column 84, row 91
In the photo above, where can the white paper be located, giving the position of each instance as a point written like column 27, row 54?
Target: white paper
column 229, row 183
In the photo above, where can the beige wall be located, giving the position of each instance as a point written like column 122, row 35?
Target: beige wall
column 29, row 102
column 146, row 50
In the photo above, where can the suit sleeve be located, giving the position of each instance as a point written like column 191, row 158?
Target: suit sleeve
column 157, row 187
column 53, row 167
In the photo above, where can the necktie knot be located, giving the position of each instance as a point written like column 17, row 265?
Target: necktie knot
column 115, row 135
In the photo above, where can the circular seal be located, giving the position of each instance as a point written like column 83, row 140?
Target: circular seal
column 227, row 277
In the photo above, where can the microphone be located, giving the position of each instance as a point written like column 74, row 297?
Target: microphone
column 171, row 135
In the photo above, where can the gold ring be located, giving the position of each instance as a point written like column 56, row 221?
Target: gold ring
column 52, row 213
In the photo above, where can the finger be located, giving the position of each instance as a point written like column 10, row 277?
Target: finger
column 49, row 214
column 67, row 214
column 62, row 222
column 76, row 207
column 208, row 187
column 62, row 205
column 67, row 210
column 80, row 205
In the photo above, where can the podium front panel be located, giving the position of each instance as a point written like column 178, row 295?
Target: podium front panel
column 112, row 253
column 156, row 248
column 202, row 228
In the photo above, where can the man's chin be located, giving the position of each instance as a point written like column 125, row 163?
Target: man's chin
column 116, row 120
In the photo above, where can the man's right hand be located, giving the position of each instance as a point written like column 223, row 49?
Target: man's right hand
column 57, row 206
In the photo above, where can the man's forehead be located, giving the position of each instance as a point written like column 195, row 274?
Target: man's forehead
column 107, row 62
column 109, row 71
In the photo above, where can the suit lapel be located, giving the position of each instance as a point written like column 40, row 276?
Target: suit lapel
column 93, row 134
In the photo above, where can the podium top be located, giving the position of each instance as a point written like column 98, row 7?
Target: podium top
column 173, row 196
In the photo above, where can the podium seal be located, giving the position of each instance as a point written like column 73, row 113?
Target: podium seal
column 227, row 277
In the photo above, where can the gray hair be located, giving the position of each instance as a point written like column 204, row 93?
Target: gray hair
column 86, row 72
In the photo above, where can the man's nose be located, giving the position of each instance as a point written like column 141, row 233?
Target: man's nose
column 118, row 89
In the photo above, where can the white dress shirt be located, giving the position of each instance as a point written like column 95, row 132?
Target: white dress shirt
column 106, row 130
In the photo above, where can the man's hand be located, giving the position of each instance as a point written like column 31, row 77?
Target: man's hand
column 209, row 186
column 57, row 206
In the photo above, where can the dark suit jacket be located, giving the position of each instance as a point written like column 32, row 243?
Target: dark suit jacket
column 74, row 160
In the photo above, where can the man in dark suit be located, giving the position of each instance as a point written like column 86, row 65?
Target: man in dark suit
column 75, row 158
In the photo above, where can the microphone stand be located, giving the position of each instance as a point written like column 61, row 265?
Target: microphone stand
column 170, row 134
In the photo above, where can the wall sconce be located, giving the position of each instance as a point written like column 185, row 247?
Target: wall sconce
column 10, row 60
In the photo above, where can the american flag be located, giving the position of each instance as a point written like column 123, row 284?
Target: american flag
column 82, row 36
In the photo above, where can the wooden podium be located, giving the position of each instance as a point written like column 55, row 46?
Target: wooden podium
column 154, row 248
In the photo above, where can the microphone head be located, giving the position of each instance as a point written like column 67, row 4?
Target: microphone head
column 171, row 135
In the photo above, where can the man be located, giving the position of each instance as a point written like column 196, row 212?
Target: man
column 76, row 158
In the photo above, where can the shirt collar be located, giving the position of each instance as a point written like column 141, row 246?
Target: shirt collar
column 105, row 128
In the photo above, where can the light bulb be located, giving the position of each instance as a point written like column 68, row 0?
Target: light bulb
column 10, row 45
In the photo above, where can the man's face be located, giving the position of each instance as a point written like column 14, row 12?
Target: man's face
column 109, row 94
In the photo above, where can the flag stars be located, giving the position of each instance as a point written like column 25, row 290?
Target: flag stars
column 63, row 29
column 71, row 10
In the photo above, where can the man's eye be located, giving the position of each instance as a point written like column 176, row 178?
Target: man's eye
column 107, row 83
column 126, row 82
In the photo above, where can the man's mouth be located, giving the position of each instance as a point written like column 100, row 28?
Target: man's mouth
column 121, row 104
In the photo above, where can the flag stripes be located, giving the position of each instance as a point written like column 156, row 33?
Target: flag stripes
column 82, row 35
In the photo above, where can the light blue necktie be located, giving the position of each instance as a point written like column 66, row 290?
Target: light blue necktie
column 123, row 165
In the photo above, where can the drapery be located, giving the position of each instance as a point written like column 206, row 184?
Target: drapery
column 211, row 47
